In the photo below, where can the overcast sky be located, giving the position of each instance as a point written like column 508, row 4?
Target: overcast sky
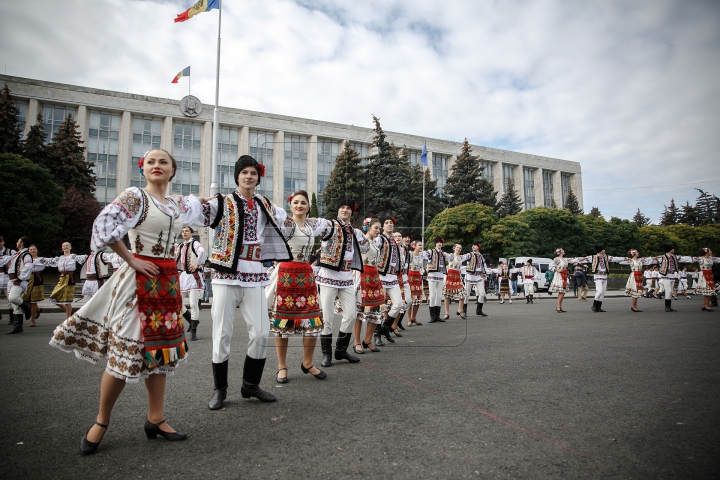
column 630, row 89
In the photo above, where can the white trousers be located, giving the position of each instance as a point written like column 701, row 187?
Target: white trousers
column 253, row 309
column 396, row 298
column 408, row 296
column 528, row 289
column 600, row 289
column 668, row 285
column 347, row 303
column 436, row 289
column 479, row 289
column 14, row 297
column 194, row 296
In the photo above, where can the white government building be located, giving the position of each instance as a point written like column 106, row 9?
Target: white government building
column 298, row 153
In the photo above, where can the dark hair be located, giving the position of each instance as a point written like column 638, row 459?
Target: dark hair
column 300, row 192
column 667, row 247
column 189, row 228
column 173, row 162
column 26, row 241
column 392, row 219
column 247, row 161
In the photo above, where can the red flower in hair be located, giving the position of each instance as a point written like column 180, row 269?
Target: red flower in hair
column 355, row 208
column 262, row 170
column 289, row 198
column 141, row 162
column 393, row 219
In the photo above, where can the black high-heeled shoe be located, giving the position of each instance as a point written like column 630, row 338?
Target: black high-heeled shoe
column 636, row 310
column 396, row 332
column 152, row 430
column 282, row 379
column 320, row 376
column 86, row 446
column 370, row 347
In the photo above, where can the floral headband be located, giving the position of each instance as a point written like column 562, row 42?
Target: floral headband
column 456, row 245
column 558, row 251
column 366, row 224
column 141, row 162
column 633, row 252
column 705, row 249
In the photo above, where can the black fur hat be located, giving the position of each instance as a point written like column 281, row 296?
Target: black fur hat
column 248, row 161
column 599, row 248
column 346, row 201
column 439, row 240
column 667, row 247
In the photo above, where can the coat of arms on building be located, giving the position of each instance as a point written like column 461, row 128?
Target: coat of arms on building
column 190, row 106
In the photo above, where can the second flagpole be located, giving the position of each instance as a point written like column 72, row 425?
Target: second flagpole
column 213, row 174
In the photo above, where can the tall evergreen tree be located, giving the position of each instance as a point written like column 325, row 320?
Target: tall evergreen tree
column 689, row 215
column 433, row 202
column 463, row 184
column 34, row 144
column 66, row 160
column 707, row 208
column 488, row 195
column 510, row 203
column 313, row 213
column 670, row 214
column 640, row 220
column 9, row 125
column 595, row 212
column 571, row 203
column 346, row 179
column 79, row 212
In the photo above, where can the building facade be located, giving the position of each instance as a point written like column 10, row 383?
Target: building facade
column 298, row 153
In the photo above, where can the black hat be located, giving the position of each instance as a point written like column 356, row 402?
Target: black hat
column 346, row 202
column 599, row 248
column 439, row 240
column 667, row 247
column 529, row 260
column 248, row 161
column 391, row 218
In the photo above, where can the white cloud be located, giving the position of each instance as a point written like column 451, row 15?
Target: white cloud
column 629, row 89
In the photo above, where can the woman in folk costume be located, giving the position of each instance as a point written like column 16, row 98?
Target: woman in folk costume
column 706, row 281
column 369, row 292
column 634, row 285
column 135, row 318
column 67, row 264
column 292, row 295
column 503, row 273
column 528, row 273
column 36, row 289
column 415, row 280
column 97, row 272
column 436, row 270
column 190, row 257
column 454, row 288
column 560, row 278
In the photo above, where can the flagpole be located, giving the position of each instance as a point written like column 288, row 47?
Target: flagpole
column 213, row 174
column 424, row 162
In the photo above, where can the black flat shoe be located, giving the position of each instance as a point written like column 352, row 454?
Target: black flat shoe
column 635, row 310
column 397, row 334
column 152, row 430
column 417, row 323
column 320, row 376
column 86, row 446
column 707, row 309
column 462, row 315
column 249, row 391
column 282, row 379
column 370, row 347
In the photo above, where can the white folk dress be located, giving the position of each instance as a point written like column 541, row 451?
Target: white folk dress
column 634, row 285
column 110, row 324
column 559, row 282
column 704, row 287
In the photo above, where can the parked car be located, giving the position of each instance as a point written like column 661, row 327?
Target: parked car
column 540, row 264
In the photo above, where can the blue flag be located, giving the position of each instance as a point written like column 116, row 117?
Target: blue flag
column 423, row 157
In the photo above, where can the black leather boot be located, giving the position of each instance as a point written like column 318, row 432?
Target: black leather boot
column 252, row 373
column 531, row 299
column 527, row 299
column 11, row 316
column 341, row 346
column 464, row 310
column 193, row 329
column 668, row 306
column 26, row 310
column 594, row 306
column 399, row 320
column 18, row 324
column 478, row 310
column 187, row 317
column 377, row 336
column 599, row 307
column 220, row 376
column 432, row 315
column 326, row 349
column 385, row 330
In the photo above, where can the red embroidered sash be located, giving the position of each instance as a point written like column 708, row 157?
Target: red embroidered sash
column 708, row 275
column 371, row 287
column 564, row 275
column 297, row 297
column 638, row 281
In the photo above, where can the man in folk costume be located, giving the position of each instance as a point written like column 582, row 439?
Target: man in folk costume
column 246, row 235
column 20, row 269
column 339, row 255
column 389, row 265
column 190, row 256
column 528, row 279
column 600, row 268
column 404, row 251
column 5, row 256
column 436, row 269
column 669, row 267
column 475, row 273
column 97, row 271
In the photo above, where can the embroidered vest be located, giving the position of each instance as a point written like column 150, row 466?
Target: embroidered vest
column 386, row 253
column 334, row 245
column 155, row 232
column 191, row 257
column 229, row 225
column 10, row 252
column 17, row 264
column 437, row 262
column 596, row 263
column 403, row 259
column 476, row 264
column 665, row 263
column 101, row 268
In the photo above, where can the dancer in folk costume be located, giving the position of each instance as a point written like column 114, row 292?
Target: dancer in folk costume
column 20, row 269
column 5, row 256
column 292, row 295
column 647, row 279
column 694, row 277
column 683, row 282
column 634, row 285
column 36, row 289
column 600, row 268
column 369, row 292
column 389, row 267
column 436, row 270
column 190, row 257
column 503, row 273
column 339, row 255
column 669, row 266
column 404, row 256
column 247, row 233
column 659, row 289
column 475, row 274
column 706, row 280
column 67, row 264
column 415, row 281
column 97, row 272
column 134, row 320
column 454, row 288
column 528, row 273
column 560, row 278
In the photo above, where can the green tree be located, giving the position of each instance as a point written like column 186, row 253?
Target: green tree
column 28, row 200
column 617, row 235
column 66, row 160
column 511, row 236
column 707, row 207
column 488, row 195
column 463, row 184
column 79, row 212
column 689, row 216
column 571, row 203
column 510, row 203
column 313, row 207
column 34, row 144
column 9, row 125
column 595, row 212
column 463, row 224
column 551, row 228
column 640, row 220
column 670, row 215
column 433, row 202
column 346, row 179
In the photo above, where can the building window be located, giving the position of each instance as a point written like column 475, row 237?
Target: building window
column 509, row 176
column 565, row 185
column 363, row 151
column 227, row 155
column 53, row 116
column 146, row 136
column 262, row 149
column 186, row 150
column 102, row 153
column 529, row 186
column 440, row 170
column 327, row 153
column 487, row 171
column 415, row 158
column 295, row 164
column 22, row 117
column 548, row 189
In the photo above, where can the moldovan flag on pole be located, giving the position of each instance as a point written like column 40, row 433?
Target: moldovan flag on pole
column 200, row 7
column 184, row 73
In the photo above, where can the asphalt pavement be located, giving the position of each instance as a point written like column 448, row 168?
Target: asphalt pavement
column 526, row 392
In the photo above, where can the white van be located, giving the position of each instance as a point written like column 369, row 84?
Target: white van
column 540, row 264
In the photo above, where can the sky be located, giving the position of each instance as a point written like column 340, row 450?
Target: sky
column 630, row 89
